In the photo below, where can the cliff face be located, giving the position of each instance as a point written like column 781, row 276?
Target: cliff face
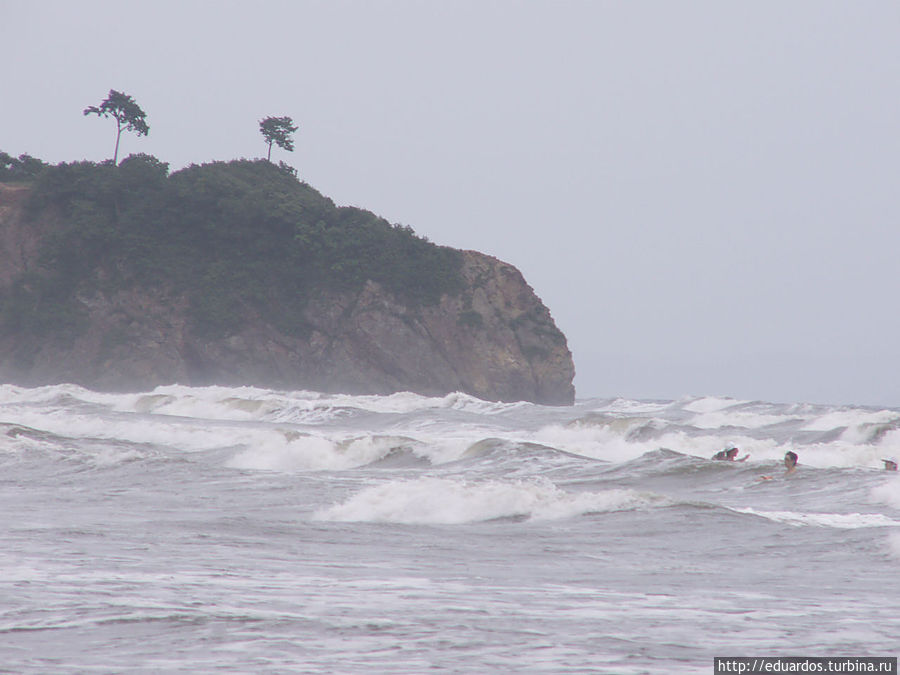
column 493, row 339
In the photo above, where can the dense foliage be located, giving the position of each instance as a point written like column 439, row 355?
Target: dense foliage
column 21, row 168
column 234, row 238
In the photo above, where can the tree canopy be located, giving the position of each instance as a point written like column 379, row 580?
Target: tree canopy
column 278, row 130
column 125, row 111
column 235, row 239
column 24, row 168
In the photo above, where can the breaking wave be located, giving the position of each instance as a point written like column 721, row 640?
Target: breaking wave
column 440, row 501
column 842, row 521
column 303, row 430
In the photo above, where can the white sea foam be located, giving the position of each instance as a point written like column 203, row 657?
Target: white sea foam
column 850, row 417
column 836, row 454
column 290, row 452
column 708, row 404
column 111, row 456
column 183, row 547
column 612, row 442
column 187, row 437
column 264, row 446
column 631, row 407
column 302, row 454
column 890, row 442
column 300, row 407
column 894, row 544
column 606, row 442
column 843, row 521
column 218, row 403
column 619, row 431
column 888, row 492
column 735, row 418
column 17, row 394
column 443, row 501
column 406, row 402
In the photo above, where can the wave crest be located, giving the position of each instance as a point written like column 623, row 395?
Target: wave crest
column 441, row 501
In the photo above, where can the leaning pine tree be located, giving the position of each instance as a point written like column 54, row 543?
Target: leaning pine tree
column 127, row 114
column 278, row 130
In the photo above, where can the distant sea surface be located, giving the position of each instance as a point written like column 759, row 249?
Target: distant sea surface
column 242, row 530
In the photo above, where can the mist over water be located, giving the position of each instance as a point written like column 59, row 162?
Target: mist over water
column 248, row 530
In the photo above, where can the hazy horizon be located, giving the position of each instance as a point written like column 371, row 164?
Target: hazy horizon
column 704, row 195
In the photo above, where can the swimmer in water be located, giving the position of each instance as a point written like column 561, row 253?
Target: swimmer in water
column 890, row 464
column 790, row 461
column 729, row 454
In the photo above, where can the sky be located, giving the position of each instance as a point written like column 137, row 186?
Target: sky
column 705, row 194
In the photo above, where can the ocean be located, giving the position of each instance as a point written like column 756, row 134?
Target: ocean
column 244, row 530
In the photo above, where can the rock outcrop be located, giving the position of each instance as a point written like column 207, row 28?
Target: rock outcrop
column 494, row 339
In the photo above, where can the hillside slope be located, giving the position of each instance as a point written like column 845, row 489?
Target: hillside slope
column 124, row 278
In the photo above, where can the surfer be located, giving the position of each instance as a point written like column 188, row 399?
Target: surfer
column 890, row 464
column 790, row 461
column 730, row 454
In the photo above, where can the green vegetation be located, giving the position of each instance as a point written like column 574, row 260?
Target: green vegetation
column 125, row 111
column 23, row 168
column 238, row 240
column 278, row 130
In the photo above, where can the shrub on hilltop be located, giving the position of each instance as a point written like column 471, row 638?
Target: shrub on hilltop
column 21, row 168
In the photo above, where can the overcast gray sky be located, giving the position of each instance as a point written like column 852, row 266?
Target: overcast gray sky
column 704, row 193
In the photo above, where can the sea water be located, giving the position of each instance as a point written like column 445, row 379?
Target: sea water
column 242, row 530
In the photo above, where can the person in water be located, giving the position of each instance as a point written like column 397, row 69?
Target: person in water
column 729, row 454
column 890, row 464
column 790, row 461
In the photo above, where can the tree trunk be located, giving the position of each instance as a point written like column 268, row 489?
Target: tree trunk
column 269, row 156
column 118, row 136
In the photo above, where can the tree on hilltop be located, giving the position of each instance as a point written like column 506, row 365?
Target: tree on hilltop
column 127, row 114
column 278, row 130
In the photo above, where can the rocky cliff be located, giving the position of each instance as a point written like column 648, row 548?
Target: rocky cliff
column 492, row 337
